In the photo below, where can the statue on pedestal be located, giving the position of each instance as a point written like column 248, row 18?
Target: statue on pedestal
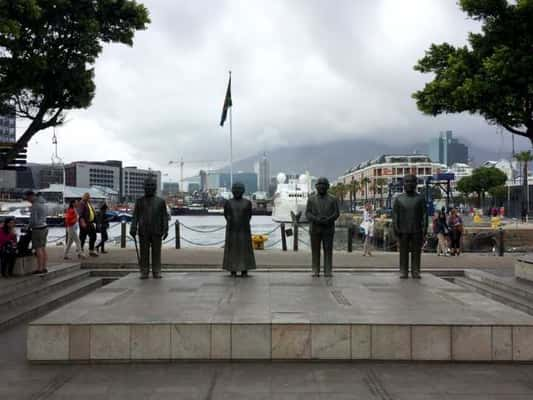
column 150, row 221
column 322, row 211
column 238, row 250
column 410, row 224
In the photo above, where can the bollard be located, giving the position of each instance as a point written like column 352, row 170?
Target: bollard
column 123, row 227
column 295, row 237
column 178, row 236
column 350, row 238
column 502, row 248
column 283, row 237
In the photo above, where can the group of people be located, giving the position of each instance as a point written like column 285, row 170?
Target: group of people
column 449, row 231
column 81, row 216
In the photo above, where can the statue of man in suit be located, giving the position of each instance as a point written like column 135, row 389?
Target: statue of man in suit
column 410, row 224
column 322, row 211
column 150, row 220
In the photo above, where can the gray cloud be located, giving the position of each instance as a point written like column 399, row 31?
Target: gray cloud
column 303, row 71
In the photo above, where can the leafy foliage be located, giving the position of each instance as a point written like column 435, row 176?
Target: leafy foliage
column 47, row 52
column 493, row 76
column 482, row 180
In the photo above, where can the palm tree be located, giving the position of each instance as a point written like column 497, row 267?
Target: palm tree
column 381, row 183
column 364, row 182
column 353, row 187
column 524, row 157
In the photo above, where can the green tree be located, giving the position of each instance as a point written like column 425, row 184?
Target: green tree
column 493, row 75
column 481, row 181
column 48, row 49
column 353, row 188
column 339, row 191
column 364, row 184
column 498, row 194
column 524, row 157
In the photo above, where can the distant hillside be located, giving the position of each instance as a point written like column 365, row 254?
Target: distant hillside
column 332, row 159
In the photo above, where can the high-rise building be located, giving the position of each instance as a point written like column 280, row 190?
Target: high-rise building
column 133, row 184
column 8, row 131
column 445, row 149
column 203, row 181
column 262, row 169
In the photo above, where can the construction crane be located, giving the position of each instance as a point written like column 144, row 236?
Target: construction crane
column 182, row 163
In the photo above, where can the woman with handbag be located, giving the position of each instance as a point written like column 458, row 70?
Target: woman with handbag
column 102, row 225
column 8, row 247
column 456, row 231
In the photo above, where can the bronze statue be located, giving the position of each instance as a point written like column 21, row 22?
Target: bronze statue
column 322, row 211
column 410, row 224
column 238, row 250
column 150, row 220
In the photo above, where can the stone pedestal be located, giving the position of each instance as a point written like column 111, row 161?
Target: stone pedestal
column 523, row 268
column 25, row 266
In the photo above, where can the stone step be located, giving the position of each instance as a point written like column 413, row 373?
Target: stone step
column 46, row 286
column 501, row 296
column 511, row 285
column 43, row 304
column 10, row 286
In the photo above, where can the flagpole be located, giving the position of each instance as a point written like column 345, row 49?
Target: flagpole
column 230, row 144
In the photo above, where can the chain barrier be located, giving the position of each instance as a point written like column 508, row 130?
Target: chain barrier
column 270, row 246
column 304, row 242
column 168, row 240
column 201, row 230
column 269, row 232
column 203, row 244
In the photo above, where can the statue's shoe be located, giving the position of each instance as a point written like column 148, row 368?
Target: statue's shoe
column 157, row 276
column 416, row 276
column 404, row 276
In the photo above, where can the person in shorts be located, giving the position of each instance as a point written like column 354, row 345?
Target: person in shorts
column 39, row 229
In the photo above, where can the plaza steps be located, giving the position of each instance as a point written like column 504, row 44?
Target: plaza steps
column 509, row 291
column 23, row 299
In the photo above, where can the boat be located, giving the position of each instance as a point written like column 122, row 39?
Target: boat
column 290, row 198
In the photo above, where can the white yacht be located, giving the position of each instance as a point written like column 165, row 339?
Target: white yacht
column 291, row 197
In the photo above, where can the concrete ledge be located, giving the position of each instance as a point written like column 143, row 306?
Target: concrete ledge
column 523, row 268
column 25, row 266
column 278, row 342
column 282, row 316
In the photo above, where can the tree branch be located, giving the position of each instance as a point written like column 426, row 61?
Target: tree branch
column 514, row 130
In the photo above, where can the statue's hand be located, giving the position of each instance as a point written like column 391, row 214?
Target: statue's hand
column 133, row 232
column 165, row 235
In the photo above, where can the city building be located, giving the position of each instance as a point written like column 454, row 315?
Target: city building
column 389, row 169
column 95, row 173
column 8, row 130
column 203, row 181
column 445, row 149
column 56, row 193
column 39, row 176
column 133, row 184
column 171, row 188
column 262, row 169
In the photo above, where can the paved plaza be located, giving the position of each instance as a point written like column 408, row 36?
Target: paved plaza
column 276, row 315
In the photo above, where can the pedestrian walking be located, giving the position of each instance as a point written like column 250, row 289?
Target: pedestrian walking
column 87, row 217
column 102, row 225
column 39, row 229
column 8, row 247
column 455, row 224
column 71, row 225
column 442, row 230
column 368, row 227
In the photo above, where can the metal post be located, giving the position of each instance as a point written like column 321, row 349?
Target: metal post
column 123, row 226
column 502, row 247
column 178, row 235
column 350, row 238
column 283, row 237
column 295, row 237
column 385, row 238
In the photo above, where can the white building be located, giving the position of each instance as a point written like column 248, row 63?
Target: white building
column 387, row 169
column 89, row 174
column 509, row 168
column 133, row 182
column 461, row 170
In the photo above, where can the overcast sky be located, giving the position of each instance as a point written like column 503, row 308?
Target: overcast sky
column 303, row 71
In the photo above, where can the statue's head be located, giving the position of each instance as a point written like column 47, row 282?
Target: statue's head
column 322, row 186
column 238, row 190
column 409, row 184
column 150, row 186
